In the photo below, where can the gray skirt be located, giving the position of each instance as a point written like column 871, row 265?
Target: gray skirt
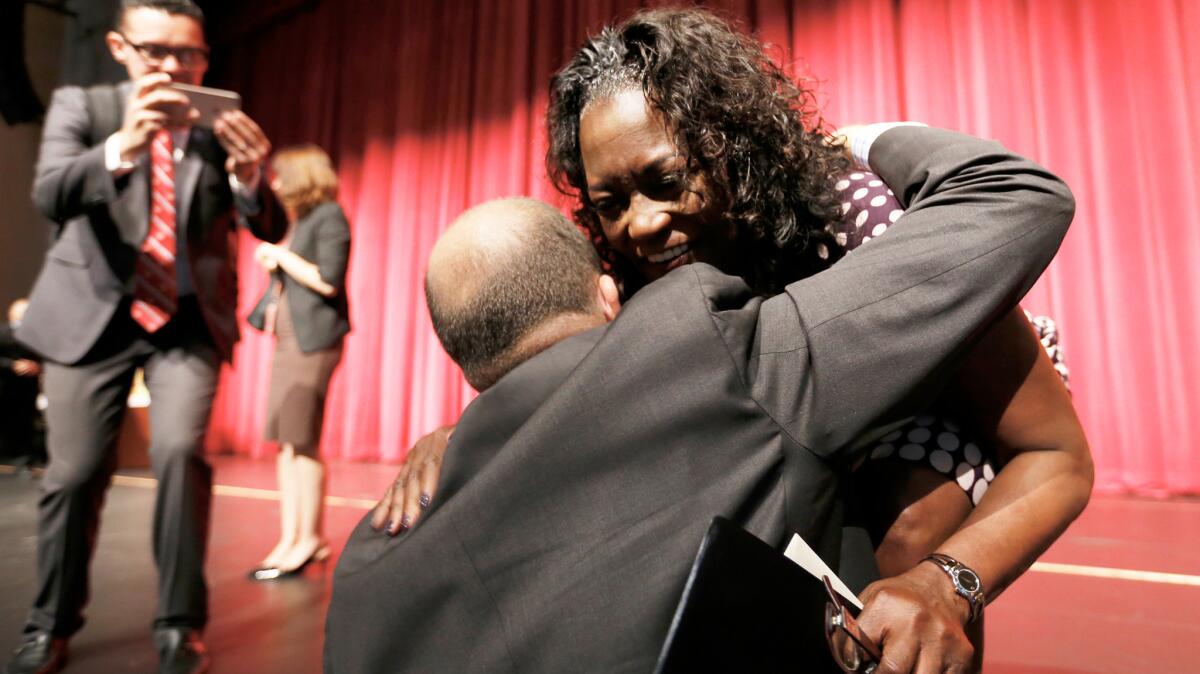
column 299, row 380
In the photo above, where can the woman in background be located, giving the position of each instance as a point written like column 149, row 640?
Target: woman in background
column 305, row 308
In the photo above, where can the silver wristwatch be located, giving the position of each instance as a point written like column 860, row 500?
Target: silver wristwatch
column 966, row 582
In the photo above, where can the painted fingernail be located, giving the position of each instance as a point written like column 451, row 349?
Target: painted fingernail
column 405, row 523
column 425, row 499
column 392, row 527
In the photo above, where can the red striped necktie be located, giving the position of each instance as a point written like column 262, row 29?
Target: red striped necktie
column 154, row 290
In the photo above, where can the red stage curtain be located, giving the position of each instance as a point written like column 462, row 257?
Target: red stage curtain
column 429, row 108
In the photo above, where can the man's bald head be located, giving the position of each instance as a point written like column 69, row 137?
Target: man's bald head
column 509, row 278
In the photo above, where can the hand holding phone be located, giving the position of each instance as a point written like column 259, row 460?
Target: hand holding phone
column 244, row 142
column 152, row 105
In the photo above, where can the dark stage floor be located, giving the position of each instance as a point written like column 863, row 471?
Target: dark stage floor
column 256, row 627
column 1120, row 592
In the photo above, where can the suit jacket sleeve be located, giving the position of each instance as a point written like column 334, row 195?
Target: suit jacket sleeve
column 333, row 247
column 260, row 212
column 70, row 175
column 849, row 353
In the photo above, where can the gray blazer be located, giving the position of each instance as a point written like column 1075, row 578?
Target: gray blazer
column 576, row 491
column 323, row 238
column 100, row 224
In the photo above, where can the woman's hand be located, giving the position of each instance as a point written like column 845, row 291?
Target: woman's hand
column 918, row 619
column 266, row 255
column 411, row 492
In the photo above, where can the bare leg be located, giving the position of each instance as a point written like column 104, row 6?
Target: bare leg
column 308, row 474
column 285, row 475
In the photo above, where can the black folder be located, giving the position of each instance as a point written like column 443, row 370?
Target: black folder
column 746, row 608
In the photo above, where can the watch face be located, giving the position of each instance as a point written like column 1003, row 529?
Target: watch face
column 968, row 580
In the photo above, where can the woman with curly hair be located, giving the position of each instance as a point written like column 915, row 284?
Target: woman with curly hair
column 684, row 143
column 739, row 121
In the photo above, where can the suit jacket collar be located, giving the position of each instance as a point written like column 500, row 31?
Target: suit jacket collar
column 499, row 411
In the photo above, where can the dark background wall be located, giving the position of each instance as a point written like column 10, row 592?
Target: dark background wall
column 23, row 234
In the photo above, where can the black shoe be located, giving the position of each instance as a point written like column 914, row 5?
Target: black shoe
column 39, row 653
column 180, row 651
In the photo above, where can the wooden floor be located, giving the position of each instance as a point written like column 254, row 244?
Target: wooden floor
column 1070, row 615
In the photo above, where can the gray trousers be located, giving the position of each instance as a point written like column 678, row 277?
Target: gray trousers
column 87, row 403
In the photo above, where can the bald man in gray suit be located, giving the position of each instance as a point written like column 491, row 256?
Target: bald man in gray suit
column 579, row 484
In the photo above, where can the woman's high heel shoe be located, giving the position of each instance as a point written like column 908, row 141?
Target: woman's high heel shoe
column 274, row 573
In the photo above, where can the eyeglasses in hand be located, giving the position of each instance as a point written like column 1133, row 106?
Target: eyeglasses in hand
column 851, row 649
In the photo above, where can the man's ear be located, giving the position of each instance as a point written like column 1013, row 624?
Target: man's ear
column 115, row 42
column 608, row 297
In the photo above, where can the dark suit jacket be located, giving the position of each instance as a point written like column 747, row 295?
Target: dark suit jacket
column 576, row 491
column 323, row 238
column 101, row 222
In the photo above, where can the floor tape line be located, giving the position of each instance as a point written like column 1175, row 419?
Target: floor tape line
column 366, row 504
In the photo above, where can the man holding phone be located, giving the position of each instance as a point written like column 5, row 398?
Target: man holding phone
column 140, row 274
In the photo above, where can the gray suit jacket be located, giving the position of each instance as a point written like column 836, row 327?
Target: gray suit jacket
column 323, row 238
column 576, row 491
column 101, row 222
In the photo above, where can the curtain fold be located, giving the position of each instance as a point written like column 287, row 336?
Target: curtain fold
column 429, row 108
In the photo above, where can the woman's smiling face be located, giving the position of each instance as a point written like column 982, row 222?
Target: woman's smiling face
column 652, row 211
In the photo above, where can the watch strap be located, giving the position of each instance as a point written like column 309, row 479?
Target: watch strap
column 967, row 583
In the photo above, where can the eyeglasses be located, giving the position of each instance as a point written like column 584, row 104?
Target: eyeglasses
column 155, row 54
column 851, row 649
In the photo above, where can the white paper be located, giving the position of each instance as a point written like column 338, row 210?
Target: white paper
column 799, row 552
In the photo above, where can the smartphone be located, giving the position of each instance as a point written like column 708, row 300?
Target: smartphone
column 210, row 102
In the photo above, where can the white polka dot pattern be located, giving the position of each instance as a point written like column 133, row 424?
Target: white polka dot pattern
column 919, row 435
column 979, row 490
column 941, row 460
column 965, row 476
column 936, row 441
column 948, row 440
column 868, row 209
column 1047, row 332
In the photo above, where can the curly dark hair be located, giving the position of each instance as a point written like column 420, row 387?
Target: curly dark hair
column 739, row 119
